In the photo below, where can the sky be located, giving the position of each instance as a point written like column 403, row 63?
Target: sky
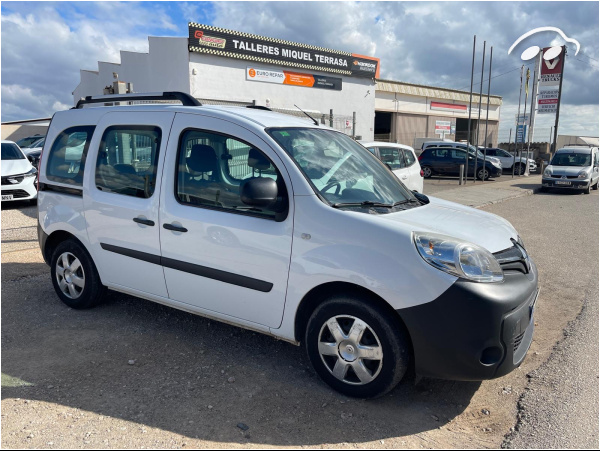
column 44, row 44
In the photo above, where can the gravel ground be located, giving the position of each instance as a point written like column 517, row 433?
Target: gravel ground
column 132, row 373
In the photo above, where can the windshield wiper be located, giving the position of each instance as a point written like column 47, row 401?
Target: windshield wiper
column 370, row 203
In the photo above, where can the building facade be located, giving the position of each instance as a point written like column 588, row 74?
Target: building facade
column 339, row 89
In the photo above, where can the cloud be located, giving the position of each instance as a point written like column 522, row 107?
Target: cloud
column 45, row 45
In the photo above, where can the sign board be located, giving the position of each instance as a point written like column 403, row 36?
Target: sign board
column 453, row 129
column 448, row 107
column 284, row 77
column 443, row 128
column 234, row 44
column 551, row 70
column 521, row 133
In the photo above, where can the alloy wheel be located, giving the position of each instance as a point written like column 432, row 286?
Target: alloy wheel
column 350, row 349
column 70, row 275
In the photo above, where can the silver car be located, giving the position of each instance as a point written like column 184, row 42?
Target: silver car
column 572, row 168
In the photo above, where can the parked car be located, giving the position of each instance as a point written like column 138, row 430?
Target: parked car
column 447, row 161
column 24, row 143
column 458, row 145
column 286, row 227
column 35, row 146
column 401, row 160
column 18, row 175
column 508, row 160
column 572, row 168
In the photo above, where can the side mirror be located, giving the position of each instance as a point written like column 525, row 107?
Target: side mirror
column 421, row 197
column 259, row 192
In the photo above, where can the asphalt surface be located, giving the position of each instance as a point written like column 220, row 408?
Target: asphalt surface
column 436, row 184
column 132, row 373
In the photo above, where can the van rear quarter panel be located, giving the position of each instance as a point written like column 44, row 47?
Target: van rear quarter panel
column 359, row 249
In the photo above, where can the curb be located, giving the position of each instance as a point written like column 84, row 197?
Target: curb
column 524, row 193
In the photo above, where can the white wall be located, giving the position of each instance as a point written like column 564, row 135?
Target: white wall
column 164, row 68
column 225, row 79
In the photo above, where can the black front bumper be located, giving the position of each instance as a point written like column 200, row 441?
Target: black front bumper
column 474, row 331
column 574, row 184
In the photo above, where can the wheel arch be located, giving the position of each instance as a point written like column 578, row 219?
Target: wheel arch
column 54, row 239
column 320, row 293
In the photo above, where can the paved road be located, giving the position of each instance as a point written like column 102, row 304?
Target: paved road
column 437, row 184
column 67, row 381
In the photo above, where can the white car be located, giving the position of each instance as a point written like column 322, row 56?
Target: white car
column 401, row 160
column 508, row 160
column 280, row 225
column 572, row 168
column 18, row 175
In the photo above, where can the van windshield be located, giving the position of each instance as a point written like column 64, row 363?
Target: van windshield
column 341, row 170
column 571, row 159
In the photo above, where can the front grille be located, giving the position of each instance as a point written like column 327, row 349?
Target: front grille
column 16, row 178
column 517, row 341
column 512, row 259
column 570, row 177
column 17, row 193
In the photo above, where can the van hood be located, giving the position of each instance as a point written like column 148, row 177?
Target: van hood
column 572, row 171
column 14, row 167
column 448, row 218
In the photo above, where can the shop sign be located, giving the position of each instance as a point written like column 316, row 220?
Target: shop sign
column 285, row 77
column 233, row 44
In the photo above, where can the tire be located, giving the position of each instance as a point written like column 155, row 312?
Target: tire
column 380, row 335
column 483, row 174
column 74, row 276
column 587, row 189
column 427, row 172
column 595, row 187
column 519, row 169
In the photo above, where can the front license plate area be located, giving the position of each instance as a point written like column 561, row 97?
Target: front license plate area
column 563, row 183
column 7, row 197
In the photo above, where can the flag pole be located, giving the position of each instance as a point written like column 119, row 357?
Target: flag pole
column 562, row 72
column 479, row 115
column 469, row 112
column 487, row 113
column 524, row 116
column 518, row 117
column 532, row 110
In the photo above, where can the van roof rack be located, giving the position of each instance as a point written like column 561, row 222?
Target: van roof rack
column 184, row 98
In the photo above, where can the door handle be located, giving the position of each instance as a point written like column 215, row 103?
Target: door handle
column 147, row 222
column 174, row 228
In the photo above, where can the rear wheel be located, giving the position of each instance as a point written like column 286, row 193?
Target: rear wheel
column 356, row 348
column 74, row 276
column 519, row 169
column 427, row 172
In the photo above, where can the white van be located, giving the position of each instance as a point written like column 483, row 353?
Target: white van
column 286, row 227
column 574, row 167
column 401, row 160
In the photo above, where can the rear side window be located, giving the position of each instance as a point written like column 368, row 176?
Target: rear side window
column 441, row 153
column 127, row 160
column 66, row 161
column 409, row 157
column 392, row 156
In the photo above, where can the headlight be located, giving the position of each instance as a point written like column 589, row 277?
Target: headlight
column 457, row 257
column 547, row 173
column 583, row 175
column 31, row 173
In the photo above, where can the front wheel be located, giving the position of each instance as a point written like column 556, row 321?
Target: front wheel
column 74, row 276
column 519, row 169
column 587, row 189
column 427, row 172
column 595, row 187
column 483, row 174
column 356, row 348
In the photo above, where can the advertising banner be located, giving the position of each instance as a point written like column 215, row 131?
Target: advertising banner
column 233, row 44
column 551, row 70
column 449, row 107
column 521, row 133
column 285, row 77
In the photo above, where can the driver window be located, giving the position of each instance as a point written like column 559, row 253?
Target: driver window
column 211, row 168
column 392, row 156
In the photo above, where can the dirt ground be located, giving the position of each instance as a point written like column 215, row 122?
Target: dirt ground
column 135, row 374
